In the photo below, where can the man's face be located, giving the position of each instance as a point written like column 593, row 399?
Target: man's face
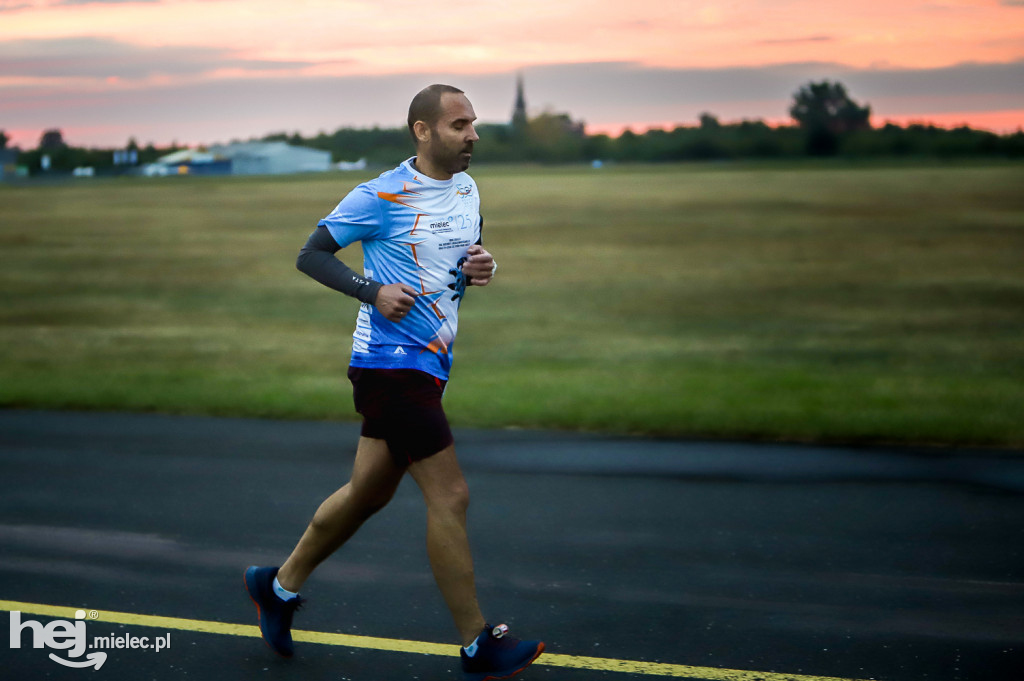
column 451, row 139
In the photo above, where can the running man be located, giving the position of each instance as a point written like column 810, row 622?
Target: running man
column 420, row 229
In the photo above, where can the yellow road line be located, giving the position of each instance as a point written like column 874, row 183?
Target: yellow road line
column 421, row 647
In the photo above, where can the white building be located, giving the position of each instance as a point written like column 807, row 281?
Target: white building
column 188, row 162
column 272, row 158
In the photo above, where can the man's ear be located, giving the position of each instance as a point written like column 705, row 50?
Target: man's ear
column 422, row 131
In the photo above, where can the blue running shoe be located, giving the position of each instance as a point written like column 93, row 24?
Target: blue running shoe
column 275, row 614
column 498, row 655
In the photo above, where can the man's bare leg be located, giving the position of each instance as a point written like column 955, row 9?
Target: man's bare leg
column 375, row 477
column 447, row 498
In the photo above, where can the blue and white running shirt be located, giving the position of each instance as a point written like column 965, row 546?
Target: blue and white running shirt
column 414, row 230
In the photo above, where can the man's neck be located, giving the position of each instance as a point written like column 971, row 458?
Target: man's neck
column 422, row 165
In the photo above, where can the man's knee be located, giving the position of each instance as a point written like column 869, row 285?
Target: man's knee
column 442, row 483
column 451, row 498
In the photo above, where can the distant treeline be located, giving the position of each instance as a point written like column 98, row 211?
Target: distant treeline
column 558, row 141
column 707, row 142
column 827, row 123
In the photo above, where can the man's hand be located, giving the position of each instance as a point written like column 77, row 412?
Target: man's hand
column 479, row 266
column 395, row 300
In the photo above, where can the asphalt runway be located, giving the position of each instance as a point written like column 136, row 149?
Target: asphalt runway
column 632, row 559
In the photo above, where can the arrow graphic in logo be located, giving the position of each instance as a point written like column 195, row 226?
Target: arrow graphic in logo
column 92, row 659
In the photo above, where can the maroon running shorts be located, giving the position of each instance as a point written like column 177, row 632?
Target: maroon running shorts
column 403, row 408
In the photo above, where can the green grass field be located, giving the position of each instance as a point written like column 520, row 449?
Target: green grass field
column 809, row 302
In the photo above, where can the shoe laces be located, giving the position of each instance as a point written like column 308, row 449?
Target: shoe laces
column 289, row 607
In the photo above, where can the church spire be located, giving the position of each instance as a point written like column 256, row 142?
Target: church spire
column 519, row 112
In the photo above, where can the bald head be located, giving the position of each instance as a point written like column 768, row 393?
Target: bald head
column 426, row 106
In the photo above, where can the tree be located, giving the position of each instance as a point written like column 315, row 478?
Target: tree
column 827, row 105
column 709, row 121
column 3, row 139
column 52, row 139
column 825, row 112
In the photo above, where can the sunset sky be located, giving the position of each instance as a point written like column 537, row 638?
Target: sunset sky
column 203, row 71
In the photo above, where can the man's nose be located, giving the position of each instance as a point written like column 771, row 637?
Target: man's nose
column 473, row 137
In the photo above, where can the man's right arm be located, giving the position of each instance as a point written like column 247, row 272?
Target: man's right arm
column 317, row 260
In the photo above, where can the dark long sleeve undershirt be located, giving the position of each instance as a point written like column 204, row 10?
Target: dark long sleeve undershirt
column 317, row 260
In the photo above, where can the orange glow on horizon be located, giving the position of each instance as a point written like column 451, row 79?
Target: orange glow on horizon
column 1000, row 122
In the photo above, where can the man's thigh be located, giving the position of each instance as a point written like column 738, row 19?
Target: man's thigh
column 440, row 477
column 375, row 468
